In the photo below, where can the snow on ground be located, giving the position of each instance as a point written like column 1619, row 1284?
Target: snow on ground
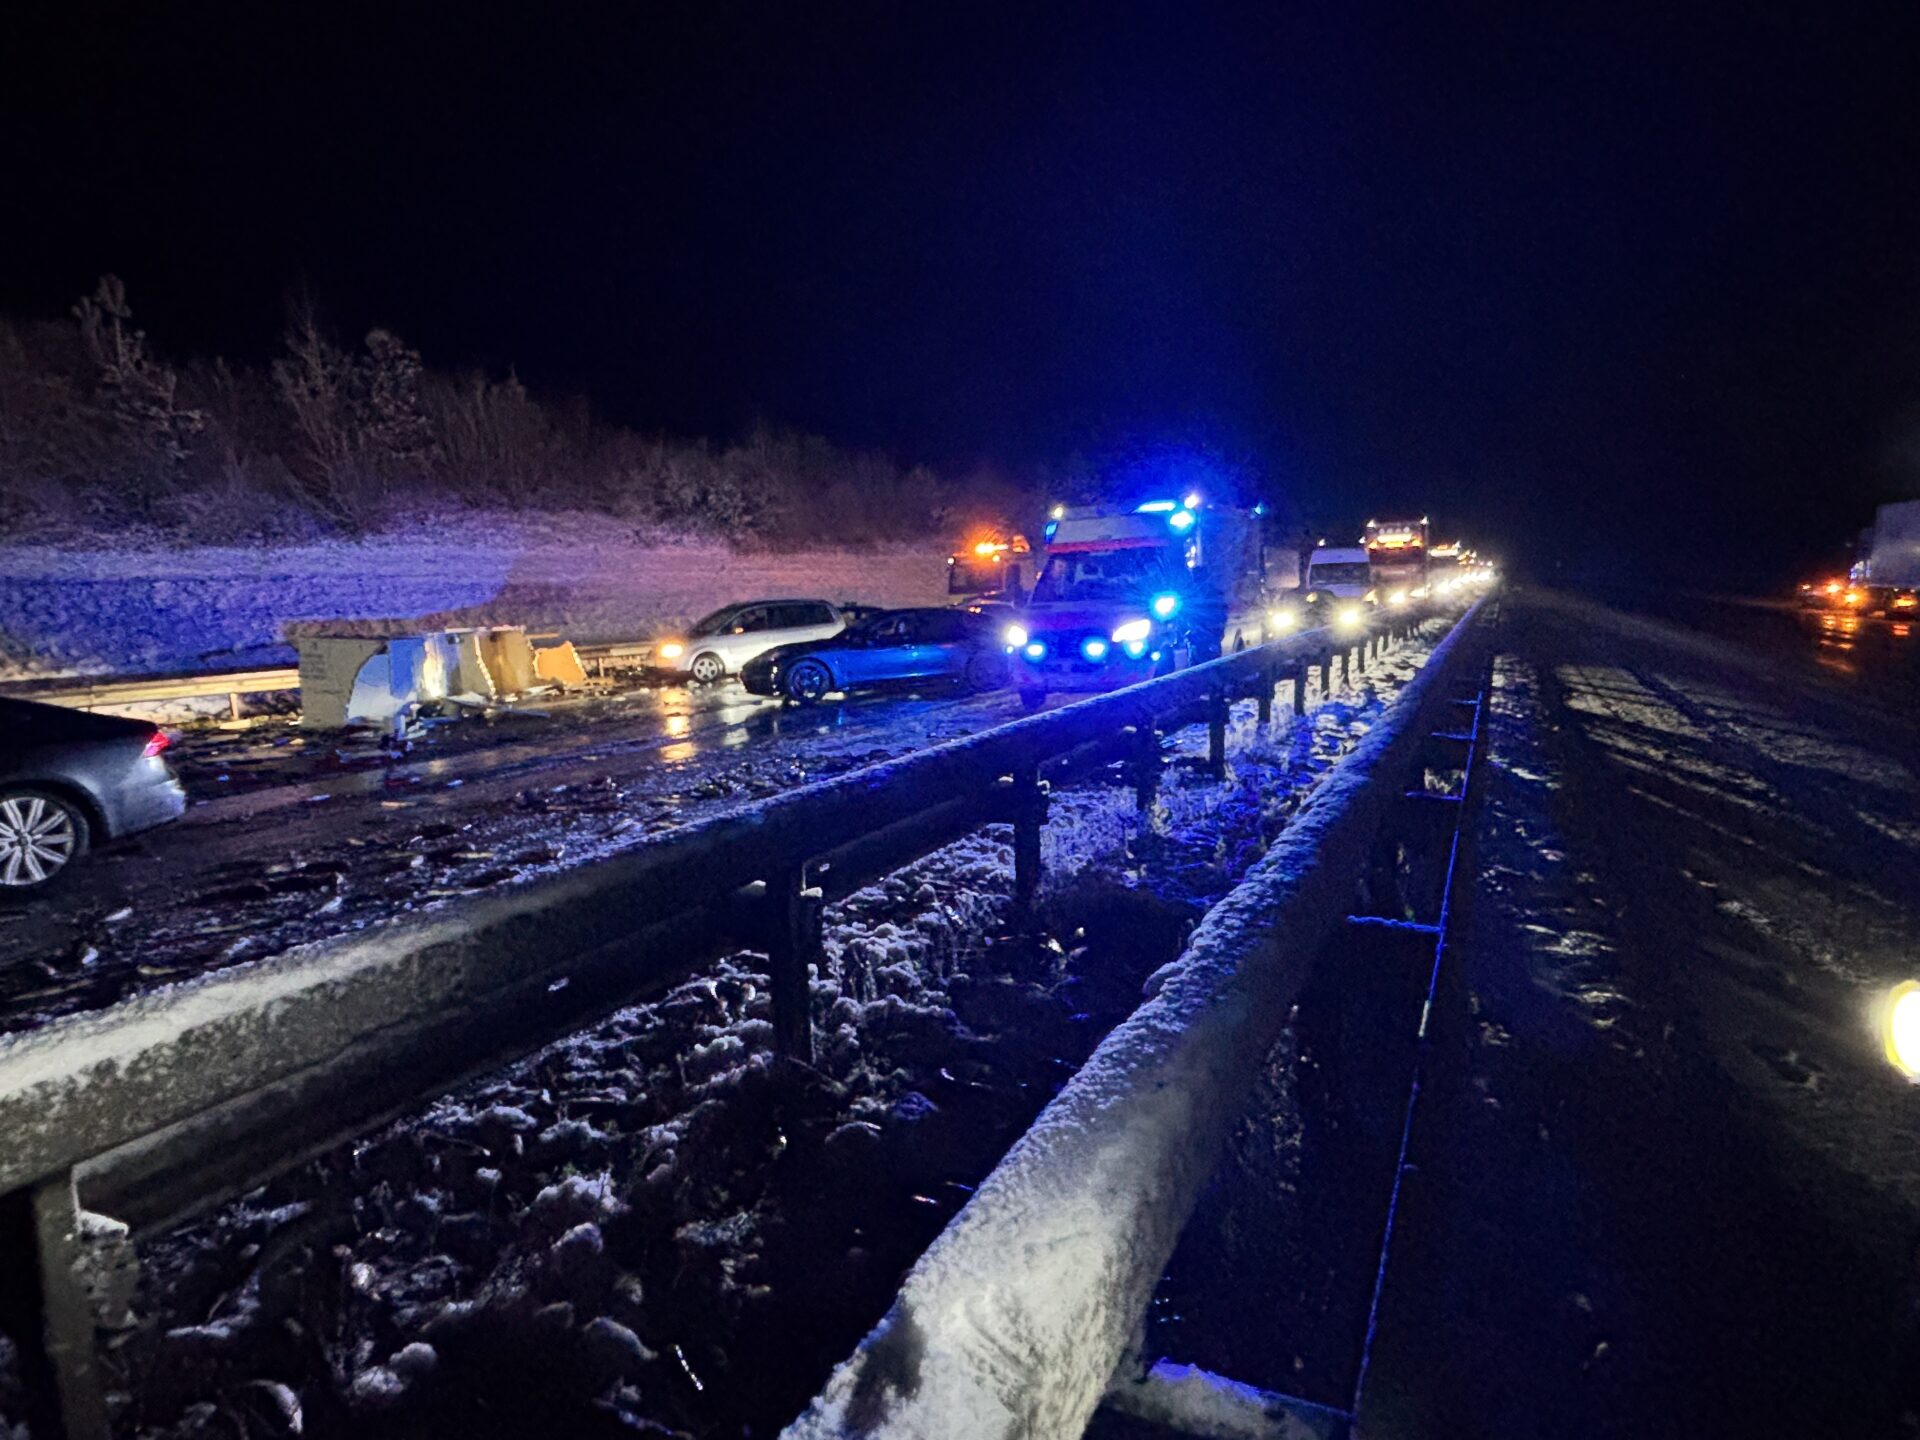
column 657, row 1222
column 114, row 609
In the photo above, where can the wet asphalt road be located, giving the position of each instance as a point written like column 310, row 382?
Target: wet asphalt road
column 1664, row 1181
column 1870, row 658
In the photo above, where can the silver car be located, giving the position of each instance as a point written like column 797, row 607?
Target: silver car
column 71, row 780
column 719, row 644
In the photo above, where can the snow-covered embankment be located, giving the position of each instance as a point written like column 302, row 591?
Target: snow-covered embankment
column 146, row 609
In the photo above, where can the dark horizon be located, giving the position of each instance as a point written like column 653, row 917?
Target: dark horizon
column 1635, row 291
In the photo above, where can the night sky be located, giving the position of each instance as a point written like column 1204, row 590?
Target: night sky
column 1627, row 286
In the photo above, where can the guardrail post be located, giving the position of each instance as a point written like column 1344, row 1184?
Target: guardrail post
column 793, row 949
column 1263, row 698
column 1326, row 674
column 1346, row 666
column 1145, row 765
column 1218, row 701
column 1029, row 804
column 46, row 1309
column 1300, row 687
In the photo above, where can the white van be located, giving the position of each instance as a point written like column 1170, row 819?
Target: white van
column 1337, row 572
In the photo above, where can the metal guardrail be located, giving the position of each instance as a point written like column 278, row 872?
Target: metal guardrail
column 1013, row 1323
column 185, row 1096
column 90, row 694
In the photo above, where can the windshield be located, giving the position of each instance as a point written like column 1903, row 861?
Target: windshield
column 1102, row 575
column 975, row 577
column 710, row 624
column 1342, row 572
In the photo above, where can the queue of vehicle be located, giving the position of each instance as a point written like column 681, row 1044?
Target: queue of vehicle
column 1117, row 594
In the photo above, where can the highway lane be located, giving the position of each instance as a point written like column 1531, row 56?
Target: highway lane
column 1665, row 1181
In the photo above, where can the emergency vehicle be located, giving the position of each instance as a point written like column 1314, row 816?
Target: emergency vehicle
column 1128, row 592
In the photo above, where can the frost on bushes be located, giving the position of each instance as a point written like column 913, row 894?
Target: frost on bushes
column 103, row 436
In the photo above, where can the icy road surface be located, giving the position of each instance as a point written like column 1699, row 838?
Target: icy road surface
column 1666, row 1183
column 292, row 837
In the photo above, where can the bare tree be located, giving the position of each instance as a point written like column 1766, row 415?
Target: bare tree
column 138, row 392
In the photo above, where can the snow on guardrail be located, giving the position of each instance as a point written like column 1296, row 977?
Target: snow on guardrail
column 1013, row 1322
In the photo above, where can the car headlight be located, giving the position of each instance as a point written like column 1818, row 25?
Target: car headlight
column 672, row 650
column 1349, row 616
column 1282, row 620
column 1398, row 597
column 1312, row 596
column 1900, row 1028
column 1132, row 630
column 1015, row 636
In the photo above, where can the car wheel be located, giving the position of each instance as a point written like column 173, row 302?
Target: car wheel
column 707, row 668
column 808, row 682
column 40, row 836
column 986, row 672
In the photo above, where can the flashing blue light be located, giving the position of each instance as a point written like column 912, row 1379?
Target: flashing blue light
column 1052, row 526
column 1155, row 507
column 1181, row 520
column 1136, row 648
column 1261, row 508
column 1035, row 650
column 1193, row 501
column 1165, row 604
column 1094, row 648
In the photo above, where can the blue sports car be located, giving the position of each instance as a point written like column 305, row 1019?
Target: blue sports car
column 894, row 647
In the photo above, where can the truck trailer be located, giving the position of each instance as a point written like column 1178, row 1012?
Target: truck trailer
column 1888, row 573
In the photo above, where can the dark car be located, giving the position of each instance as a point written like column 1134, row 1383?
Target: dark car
column 894, row 647
column 999, row 612
column 71, row 780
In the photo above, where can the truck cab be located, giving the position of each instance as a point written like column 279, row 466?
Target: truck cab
column 1397, row 558
column 1125, row 593
column 990, row 572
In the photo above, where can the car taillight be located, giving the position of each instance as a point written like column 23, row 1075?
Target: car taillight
column 156, row 742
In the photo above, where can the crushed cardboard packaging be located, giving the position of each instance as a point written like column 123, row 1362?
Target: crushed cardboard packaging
column 367, row 674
